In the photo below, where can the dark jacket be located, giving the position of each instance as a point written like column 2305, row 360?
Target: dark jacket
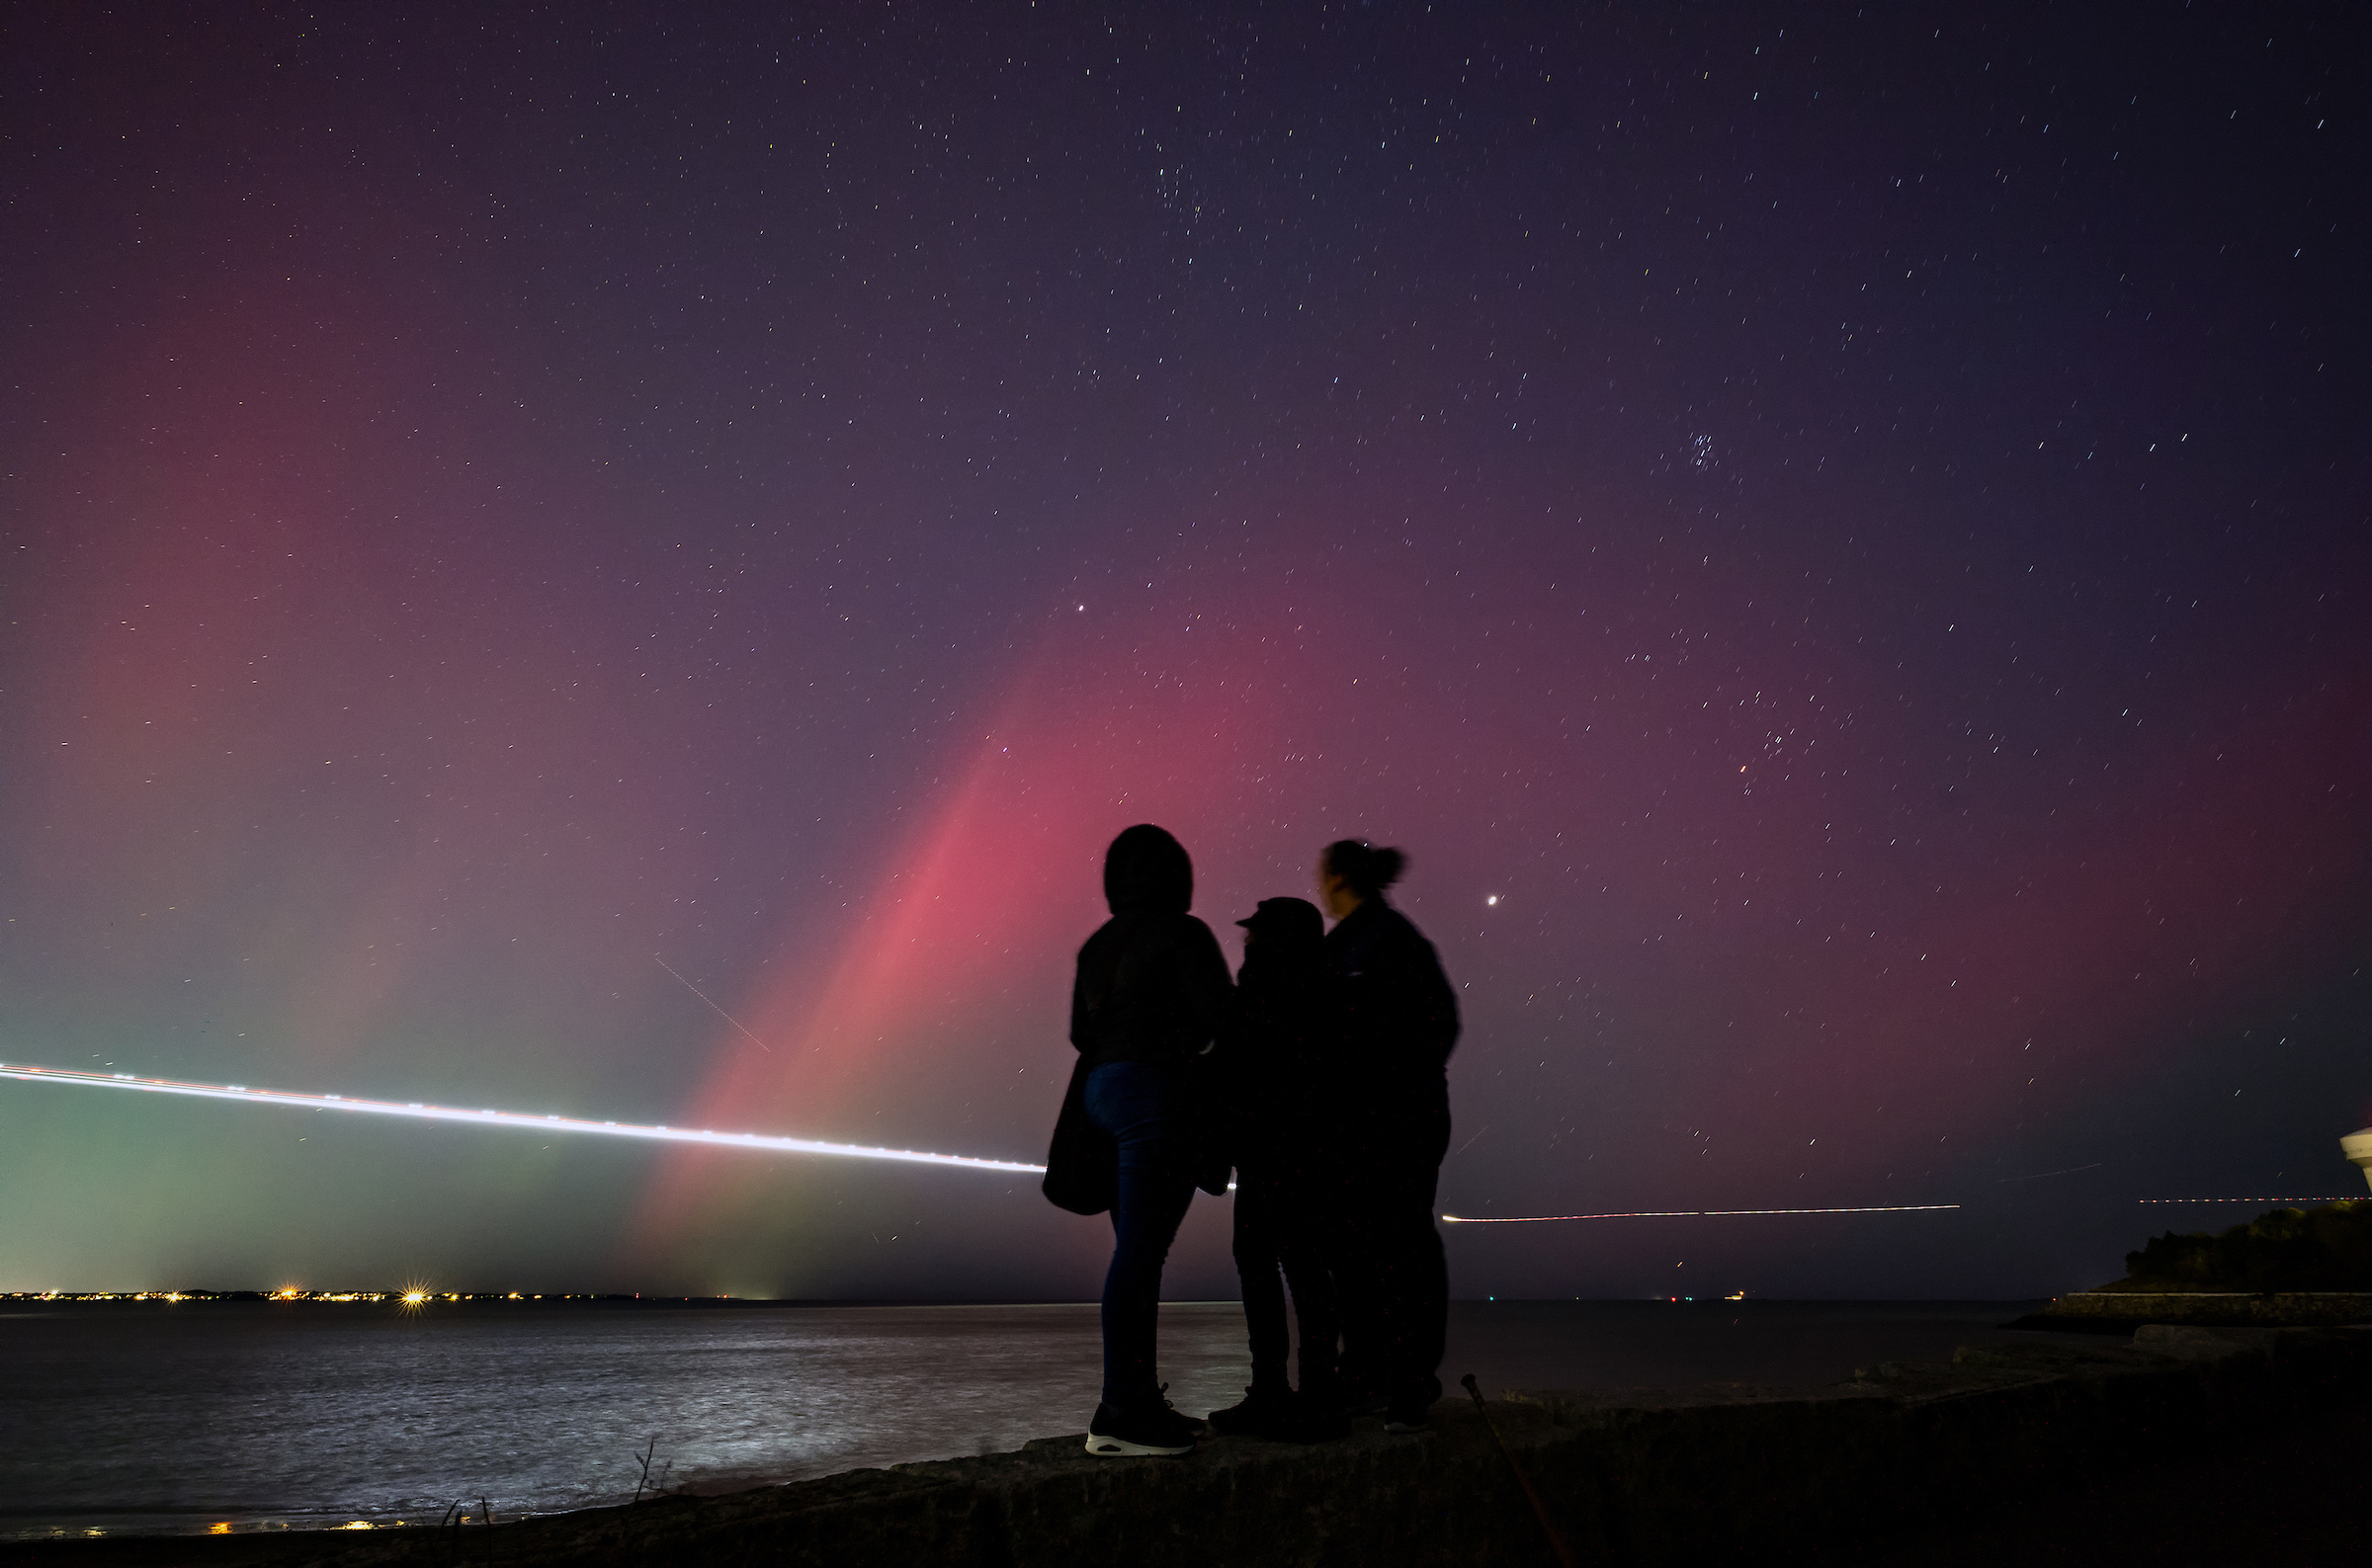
column 1278, row 1059
column 1398, row 1014
column 1152, row 987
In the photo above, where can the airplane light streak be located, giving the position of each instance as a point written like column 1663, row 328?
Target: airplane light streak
column 418, row 1112
column 763, row 1142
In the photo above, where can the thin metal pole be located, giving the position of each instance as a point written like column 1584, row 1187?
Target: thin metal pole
column 1540, row 1510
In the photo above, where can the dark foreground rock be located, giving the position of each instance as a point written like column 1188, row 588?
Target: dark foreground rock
column 1638, row 1477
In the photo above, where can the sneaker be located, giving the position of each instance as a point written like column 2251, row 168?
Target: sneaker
column 1266, row 1412
column 1406, row 1412
column 1151, row 1429
column 1360, row 1398
column 1317, row 1420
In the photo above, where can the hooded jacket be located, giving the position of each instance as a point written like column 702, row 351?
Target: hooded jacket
column 1152, row 987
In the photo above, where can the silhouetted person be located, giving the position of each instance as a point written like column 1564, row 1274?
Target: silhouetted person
column 1281, row 1110
column 1152, row 991
column 1399, row 1020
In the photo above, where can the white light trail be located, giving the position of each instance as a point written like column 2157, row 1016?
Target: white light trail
column 2350, row 1200
column 1693, row 1213
column 765, row 1142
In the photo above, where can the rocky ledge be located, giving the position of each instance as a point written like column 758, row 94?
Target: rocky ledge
column 1639, row 1477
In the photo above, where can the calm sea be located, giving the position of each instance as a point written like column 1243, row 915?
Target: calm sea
column 156, row 1418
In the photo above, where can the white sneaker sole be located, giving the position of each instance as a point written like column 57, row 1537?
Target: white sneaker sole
column 1114, row 1448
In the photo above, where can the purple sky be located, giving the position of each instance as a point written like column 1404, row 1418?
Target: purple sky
column 1850, row 529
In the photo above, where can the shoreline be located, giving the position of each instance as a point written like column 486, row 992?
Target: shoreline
column 1640, row 1475
column 2122, row 1310
column 1509, row 1343
column 431, row 1300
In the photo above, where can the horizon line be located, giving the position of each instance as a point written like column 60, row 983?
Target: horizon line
column 396, row 1296
column 1689, row 1214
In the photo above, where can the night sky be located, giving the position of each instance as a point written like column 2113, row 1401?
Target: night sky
column 1849, row 528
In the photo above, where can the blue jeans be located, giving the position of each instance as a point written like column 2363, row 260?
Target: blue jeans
column 1144, row 1110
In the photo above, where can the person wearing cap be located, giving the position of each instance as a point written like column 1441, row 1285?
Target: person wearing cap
column 1280, row 1118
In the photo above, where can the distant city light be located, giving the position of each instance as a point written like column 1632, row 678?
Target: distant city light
column 506, row 1118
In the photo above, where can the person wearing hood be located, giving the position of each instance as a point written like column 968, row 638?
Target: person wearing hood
column 1153, row 993
column 1280, row 1107
column 1398, row 1022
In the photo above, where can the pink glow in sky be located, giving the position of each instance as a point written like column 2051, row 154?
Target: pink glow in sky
column 1854, row 612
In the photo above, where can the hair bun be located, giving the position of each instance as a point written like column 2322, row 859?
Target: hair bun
column 1367, row 870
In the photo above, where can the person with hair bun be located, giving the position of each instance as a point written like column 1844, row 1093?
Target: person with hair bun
column 1398, row 1022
